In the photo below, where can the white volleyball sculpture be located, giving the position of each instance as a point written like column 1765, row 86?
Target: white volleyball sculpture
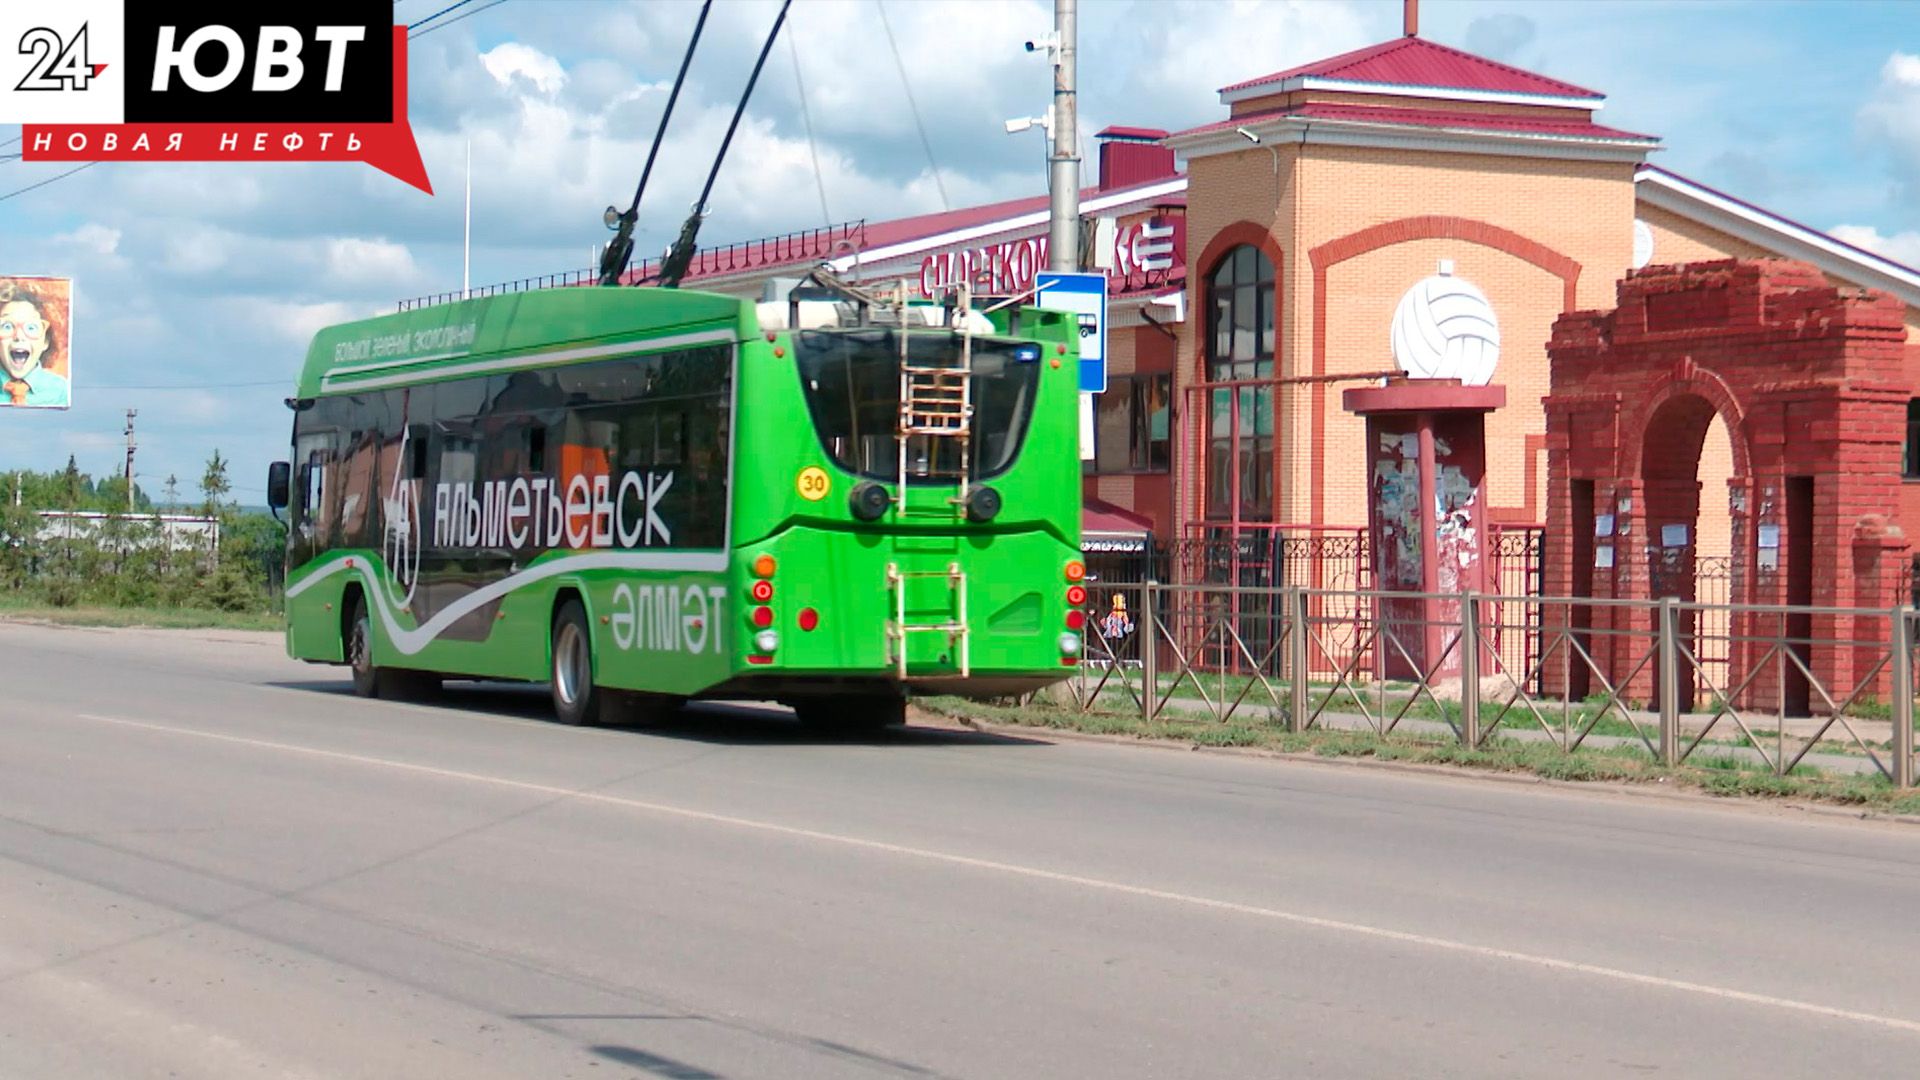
column 1444, row 328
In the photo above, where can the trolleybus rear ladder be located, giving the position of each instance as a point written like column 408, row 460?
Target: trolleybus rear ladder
column 936, row 402
column 898, row 627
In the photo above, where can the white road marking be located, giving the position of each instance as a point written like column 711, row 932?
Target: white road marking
column 1378, row 933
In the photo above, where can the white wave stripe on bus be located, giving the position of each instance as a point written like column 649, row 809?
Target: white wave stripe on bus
column 409, row 642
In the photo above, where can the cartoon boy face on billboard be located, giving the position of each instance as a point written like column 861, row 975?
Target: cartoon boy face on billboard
column 32, row 353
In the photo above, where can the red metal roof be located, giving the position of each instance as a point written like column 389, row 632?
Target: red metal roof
column 1100, row 516
column 759, row 256
column 1412, row 61
column 1433, row 118
column 887, row 233
column 1119, row 132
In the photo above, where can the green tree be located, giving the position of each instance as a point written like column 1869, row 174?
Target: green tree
column 214, row 484
column 73, row 485
column 19, row 544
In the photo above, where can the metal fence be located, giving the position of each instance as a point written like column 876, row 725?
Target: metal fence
column 1336, row 563
column 1677, row 680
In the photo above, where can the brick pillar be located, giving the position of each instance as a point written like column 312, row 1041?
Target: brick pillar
column 1881, row 579
column 1556, row 556
column 1766, row 584
column 1740, row 512
column 1629, row 580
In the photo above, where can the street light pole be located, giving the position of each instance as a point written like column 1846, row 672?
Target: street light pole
column 1063, row 234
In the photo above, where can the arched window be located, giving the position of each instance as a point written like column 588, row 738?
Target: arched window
column 1240, row 343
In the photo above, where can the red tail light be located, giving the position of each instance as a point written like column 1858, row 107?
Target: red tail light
column 762, row 591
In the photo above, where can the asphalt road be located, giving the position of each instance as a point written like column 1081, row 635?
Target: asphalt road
column 215, row 862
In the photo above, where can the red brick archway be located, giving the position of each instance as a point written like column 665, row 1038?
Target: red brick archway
column 1808, row 380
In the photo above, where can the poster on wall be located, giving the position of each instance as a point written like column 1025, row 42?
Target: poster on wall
column 36, row 342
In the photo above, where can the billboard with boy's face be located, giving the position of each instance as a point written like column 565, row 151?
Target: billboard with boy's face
column 36, row 342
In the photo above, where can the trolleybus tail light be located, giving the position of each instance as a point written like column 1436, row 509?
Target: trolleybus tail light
column 1076, row 570
column 763, row 617
column 766, row 641
column 762, row 591
column 763, row 566
column 1076, row 595
column 983, row 504
column 869, row 501
column 809, row 619
column 1076, row 619
column 1069, row 644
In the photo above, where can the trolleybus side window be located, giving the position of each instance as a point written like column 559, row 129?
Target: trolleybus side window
column 662, row 418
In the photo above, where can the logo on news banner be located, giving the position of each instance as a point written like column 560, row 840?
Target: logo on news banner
column 134, row 80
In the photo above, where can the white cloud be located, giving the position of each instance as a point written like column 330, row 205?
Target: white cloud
column 1194, row 47
column 296, row 323
column 93, row 237
column 1892, row 117
column 196, row 251
column 86, row 443
column 1500, row 36
column 371, row 262
column 511, row 60
column 1901, row 247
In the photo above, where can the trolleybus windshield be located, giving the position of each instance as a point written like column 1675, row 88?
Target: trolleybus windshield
column 852, row 384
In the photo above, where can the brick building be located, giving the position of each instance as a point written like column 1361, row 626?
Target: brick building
column 1253, row 285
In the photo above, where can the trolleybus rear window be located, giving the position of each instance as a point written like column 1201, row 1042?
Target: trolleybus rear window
column 852, row 384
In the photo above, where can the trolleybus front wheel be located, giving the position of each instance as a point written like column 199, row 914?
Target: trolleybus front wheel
column 370, row 681
column 576, row 700
column 366, row 677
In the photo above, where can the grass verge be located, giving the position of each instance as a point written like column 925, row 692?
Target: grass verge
column 1713, row 775
column 12, row 610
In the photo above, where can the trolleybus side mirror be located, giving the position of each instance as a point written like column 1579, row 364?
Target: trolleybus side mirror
column 279, row 478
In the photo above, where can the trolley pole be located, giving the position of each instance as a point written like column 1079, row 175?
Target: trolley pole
column 1063, row 233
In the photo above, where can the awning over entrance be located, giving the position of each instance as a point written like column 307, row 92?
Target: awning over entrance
column 1106, row 528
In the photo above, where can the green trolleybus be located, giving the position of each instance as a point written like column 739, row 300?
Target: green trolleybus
column 644, row 495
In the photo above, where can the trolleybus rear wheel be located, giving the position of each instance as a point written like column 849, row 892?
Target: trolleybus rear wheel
column 576, row 700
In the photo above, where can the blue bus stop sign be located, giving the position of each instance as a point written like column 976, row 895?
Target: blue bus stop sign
column 1085, row 295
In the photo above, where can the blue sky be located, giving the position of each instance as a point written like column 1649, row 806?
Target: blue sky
column 214, row 276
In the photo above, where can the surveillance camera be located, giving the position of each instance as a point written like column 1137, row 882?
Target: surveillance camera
column 1018, row 125
column 1247, row 135
column 1032, row 46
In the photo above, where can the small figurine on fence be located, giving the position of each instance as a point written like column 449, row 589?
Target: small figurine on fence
column 1117, row 624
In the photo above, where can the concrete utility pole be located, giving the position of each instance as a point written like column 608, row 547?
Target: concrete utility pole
column 131, row 413
column 1063, row 234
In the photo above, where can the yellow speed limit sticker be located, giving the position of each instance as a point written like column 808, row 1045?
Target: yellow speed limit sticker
column 813, row 483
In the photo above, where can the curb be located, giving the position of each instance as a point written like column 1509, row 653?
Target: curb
column 1648, row 790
